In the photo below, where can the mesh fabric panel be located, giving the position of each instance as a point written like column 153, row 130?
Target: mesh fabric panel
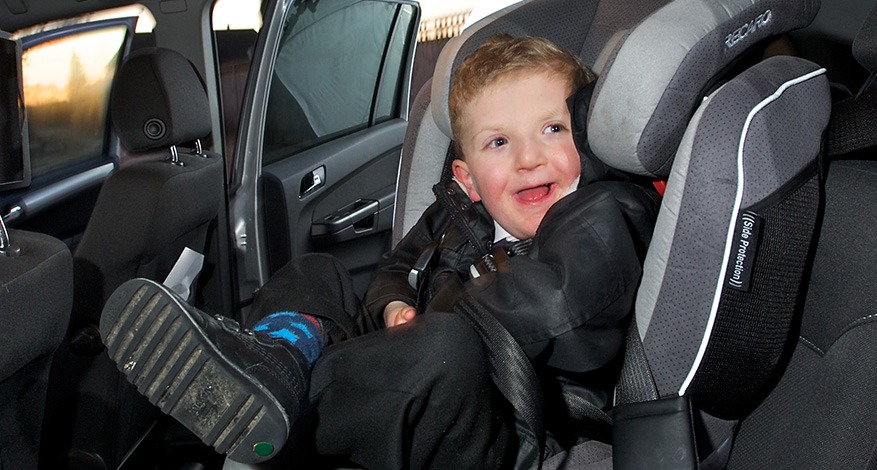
column 753, row 328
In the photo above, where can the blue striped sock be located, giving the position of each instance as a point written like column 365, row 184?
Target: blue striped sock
column 304, row 332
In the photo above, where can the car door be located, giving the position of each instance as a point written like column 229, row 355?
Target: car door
column 67, row 75
column 321, row 134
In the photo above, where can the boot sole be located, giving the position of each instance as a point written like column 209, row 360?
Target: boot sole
column 165, row 353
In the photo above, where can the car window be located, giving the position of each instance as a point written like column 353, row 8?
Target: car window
column 391, row 79
column 67, row 83
column 349, row 82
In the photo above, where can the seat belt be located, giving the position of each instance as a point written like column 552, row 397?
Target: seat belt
column 511, row 371
column 514, row 376
column 853, row 125
column 636, row 383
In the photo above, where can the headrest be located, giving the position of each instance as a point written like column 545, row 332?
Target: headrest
column 582, row 28
column 158, row 100
column 659, row 73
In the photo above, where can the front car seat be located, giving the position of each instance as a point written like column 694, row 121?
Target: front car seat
column 163, row 199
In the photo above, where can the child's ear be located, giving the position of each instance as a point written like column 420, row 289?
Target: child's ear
column 464, row 176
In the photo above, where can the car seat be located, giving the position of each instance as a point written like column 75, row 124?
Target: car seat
column 820, row 415
column 36, row 295
column 164, row 199
column 661, row 108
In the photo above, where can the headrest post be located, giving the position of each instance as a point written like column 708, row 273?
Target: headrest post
column 175, row 156
column 198, row 149
column 6, row 246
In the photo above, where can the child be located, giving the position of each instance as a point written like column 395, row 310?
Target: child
column 402, row 382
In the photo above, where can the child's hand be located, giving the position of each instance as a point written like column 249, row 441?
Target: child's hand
column 397, row 313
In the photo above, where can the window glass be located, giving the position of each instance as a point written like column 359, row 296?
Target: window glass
column 388, row 93
column 326, row 73
column 67, row 85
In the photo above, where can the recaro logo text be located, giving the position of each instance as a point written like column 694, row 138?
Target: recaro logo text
column 748, row 28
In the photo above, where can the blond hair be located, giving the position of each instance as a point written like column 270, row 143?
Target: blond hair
column 502, row 55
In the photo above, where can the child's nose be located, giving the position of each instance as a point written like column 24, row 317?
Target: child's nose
column 531, row 156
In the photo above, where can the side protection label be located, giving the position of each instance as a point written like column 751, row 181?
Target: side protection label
column 744, row 251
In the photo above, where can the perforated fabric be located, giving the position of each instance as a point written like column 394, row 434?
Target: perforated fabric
column 708, row 202
column 647, row 94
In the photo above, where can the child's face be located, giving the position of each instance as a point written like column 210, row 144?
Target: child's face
column 519, row 150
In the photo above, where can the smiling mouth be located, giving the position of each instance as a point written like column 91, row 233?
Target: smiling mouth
column 535, row 193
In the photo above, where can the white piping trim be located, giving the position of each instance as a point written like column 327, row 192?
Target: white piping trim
column 738, row 200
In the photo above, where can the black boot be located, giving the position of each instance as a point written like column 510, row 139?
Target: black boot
column 238, row 391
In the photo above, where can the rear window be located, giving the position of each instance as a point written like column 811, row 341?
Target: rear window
column 67, row 84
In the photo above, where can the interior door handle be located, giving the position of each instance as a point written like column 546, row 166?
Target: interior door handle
column 346, row 223
column 312, row 181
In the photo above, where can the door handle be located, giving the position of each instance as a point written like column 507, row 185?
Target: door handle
column 312, row 181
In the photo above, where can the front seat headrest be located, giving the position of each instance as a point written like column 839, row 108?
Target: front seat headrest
column 158, row 100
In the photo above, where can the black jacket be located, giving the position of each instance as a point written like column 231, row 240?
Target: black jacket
column 567, row 302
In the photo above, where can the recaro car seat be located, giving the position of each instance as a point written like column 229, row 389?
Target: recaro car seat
column 821, row 413
column 705, row 41
column 165, row 199
column 36, row 295
column 724, row 277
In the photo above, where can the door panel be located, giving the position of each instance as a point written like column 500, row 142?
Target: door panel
column 350, row 214
column 322, row 125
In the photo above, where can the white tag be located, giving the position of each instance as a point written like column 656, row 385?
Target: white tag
column 184, row 272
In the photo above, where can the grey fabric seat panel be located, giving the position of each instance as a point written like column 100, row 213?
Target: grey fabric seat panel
column 636, row 124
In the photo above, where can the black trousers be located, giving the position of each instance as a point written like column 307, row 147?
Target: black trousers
column 414, row 396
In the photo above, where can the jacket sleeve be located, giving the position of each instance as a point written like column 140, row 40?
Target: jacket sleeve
column 568, row 300
column 391, row 279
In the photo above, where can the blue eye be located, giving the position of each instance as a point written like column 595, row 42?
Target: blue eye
column 498, row 142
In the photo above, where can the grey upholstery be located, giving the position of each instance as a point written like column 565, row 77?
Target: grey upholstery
column 724, row 277
column 739, row 157
column 657, row 75
column 147, row 212
column 36, row 294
